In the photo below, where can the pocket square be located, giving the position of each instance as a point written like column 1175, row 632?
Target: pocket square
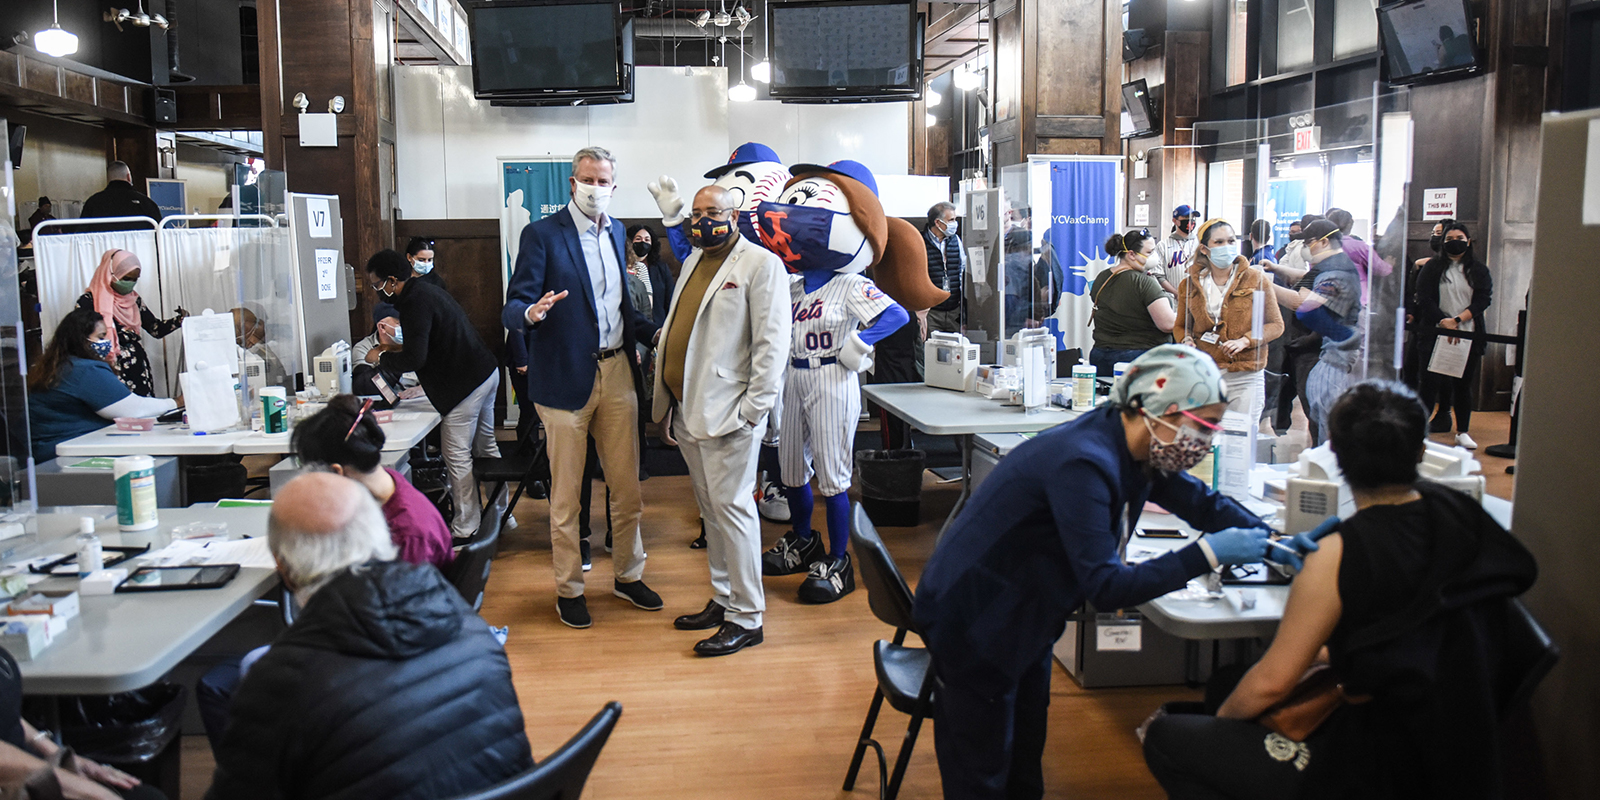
column 730, row 285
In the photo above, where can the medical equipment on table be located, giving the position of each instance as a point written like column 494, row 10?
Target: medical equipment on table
column 332, row 369
column 949, row 361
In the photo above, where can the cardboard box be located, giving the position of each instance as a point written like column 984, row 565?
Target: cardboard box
column 26, row 636
column 102, row 582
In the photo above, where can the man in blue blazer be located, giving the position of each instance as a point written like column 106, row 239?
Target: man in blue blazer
column 569, row 298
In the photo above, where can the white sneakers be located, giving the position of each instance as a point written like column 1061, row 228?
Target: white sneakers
column 770, row 503
column 1463, row 440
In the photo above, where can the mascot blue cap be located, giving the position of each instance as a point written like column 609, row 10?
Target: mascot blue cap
column 849, row 169
column 747, row 153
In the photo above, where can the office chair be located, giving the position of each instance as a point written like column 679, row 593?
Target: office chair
column 469, row 572
column 905, row 677
column 563, row 774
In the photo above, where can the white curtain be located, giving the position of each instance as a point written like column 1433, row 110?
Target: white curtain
column 65, row 263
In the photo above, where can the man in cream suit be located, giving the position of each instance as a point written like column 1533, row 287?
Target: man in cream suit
column 720, row 364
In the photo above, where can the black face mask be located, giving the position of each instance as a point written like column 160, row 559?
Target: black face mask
column 1435, row 241
column 1186, row 225
column 1456, row 247
column 641, row 249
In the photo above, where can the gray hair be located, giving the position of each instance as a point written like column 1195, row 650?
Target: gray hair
column 118, row 171
column 310, row 559
column 593, row 154
column 936, row 213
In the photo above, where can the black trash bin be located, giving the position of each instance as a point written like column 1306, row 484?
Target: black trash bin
column 135, row 732
column 891, row 486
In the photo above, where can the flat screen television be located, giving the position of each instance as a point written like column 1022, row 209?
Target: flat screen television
column 528, row 49
column 858, row 51
column 1139, row 117
column 1426, row 40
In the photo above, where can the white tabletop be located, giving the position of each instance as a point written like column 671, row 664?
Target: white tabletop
column 943, row 412
column 416, row 419
column 1196, row 618
column 165, row 440
column 123, row 642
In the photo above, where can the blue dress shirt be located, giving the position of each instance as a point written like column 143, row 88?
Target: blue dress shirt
column 605, row 275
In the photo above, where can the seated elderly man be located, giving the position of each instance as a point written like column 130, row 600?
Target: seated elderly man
column 386, row 685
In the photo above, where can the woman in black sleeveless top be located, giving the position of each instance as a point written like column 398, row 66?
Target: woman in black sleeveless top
column 1408, row 600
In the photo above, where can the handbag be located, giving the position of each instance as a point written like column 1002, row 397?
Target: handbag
column 1312, row 701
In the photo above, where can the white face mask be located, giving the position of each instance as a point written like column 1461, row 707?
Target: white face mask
column 1224, row 254
column 591, row 200
column 951, row 227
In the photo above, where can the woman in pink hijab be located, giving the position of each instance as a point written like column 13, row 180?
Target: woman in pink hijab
column 111, row 295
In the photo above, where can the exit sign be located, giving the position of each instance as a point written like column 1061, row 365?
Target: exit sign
column 1308, row 140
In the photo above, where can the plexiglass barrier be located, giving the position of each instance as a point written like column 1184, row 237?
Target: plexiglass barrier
column 16, row 475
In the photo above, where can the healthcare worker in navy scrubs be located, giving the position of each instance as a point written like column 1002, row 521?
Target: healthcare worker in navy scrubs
column 1045, row 533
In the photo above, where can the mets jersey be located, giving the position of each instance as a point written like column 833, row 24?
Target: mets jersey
column 826, row 317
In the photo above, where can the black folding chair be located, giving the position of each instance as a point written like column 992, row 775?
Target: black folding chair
column 563, row 774
column 469, row 573
column 530, row 464
column 905, row 677
column 1533, row 655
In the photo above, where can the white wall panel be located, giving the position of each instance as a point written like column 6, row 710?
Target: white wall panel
column 680, row 124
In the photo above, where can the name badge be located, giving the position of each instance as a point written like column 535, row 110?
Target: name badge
column 1210, row 337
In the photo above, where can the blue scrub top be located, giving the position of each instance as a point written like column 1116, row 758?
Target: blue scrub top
column 69, row 410
column 1041, row 536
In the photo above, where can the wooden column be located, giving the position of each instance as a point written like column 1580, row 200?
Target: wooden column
column 1057, row 78
column 326, row 48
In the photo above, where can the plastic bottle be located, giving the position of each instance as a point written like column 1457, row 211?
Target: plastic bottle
column 136, row 492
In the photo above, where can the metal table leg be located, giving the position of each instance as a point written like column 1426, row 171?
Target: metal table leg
column 966, row 482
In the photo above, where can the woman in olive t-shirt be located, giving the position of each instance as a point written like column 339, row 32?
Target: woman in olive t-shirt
column 1131, row 312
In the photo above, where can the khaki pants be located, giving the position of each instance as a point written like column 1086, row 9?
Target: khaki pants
column 938, row 322
column 611, row 416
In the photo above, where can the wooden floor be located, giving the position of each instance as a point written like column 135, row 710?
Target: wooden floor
column 775, row 721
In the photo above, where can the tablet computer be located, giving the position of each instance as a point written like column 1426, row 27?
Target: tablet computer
column 167, row 579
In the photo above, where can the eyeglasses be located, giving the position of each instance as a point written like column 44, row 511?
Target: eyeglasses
column 359, row 414
column 696, row 214
column 1207, row 425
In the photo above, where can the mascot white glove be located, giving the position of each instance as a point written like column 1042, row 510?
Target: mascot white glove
column 665, row 191
column 856, row 354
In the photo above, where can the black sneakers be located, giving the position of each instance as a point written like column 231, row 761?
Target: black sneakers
column 638, row 594
column 830, row 579
column 792, row 554
column 583, row 548
column 574, row 612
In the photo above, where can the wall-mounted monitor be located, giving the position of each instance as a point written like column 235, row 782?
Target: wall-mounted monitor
column 859, row 51
column 1139, row 114
column 1427, row 40
column 527, row 49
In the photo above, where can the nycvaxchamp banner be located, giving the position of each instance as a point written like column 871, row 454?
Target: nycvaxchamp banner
column 1083, row 214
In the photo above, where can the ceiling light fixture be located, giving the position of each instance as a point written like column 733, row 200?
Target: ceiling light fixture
column 965, row 79
column 742, row 93
column 932, row 97
column 700, row 21
column 929, row 120
column 53, row 41
column 762, row 72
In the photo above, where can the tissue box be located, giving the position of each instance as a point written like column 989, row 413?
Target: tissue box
column 102, row 582
column 26, row 636
column 51, row 604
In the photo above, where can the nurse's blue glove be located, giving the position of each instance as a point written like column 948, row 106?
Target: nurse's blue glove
column 1237, row 545
column 1306, row 543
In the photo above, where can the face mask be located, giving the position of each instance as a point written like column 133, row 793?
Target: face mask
column 641, row 249
column 1456, row 247
column 101, row 347
column 122, row 287
column 422, row 267
column 1142, row 260
column 383, row 289
column 1187, row 449
column 710, row 233
column 951, row 226
column 1224, row 254
column 800, row 236
column 1185, row 225
column 591, row 200
column 1435, row 241
column 397, row 336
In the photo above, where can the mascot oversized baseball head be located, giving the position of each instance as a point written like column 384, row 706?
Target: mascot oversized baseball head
column 753, row 174
column 828, row 219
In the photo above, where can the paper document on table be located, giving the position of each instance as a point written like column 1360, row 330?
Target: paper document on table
column 209, row 399
column 208, row 339
column 405, row 416
column 192, row 553
column 1450, row 359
